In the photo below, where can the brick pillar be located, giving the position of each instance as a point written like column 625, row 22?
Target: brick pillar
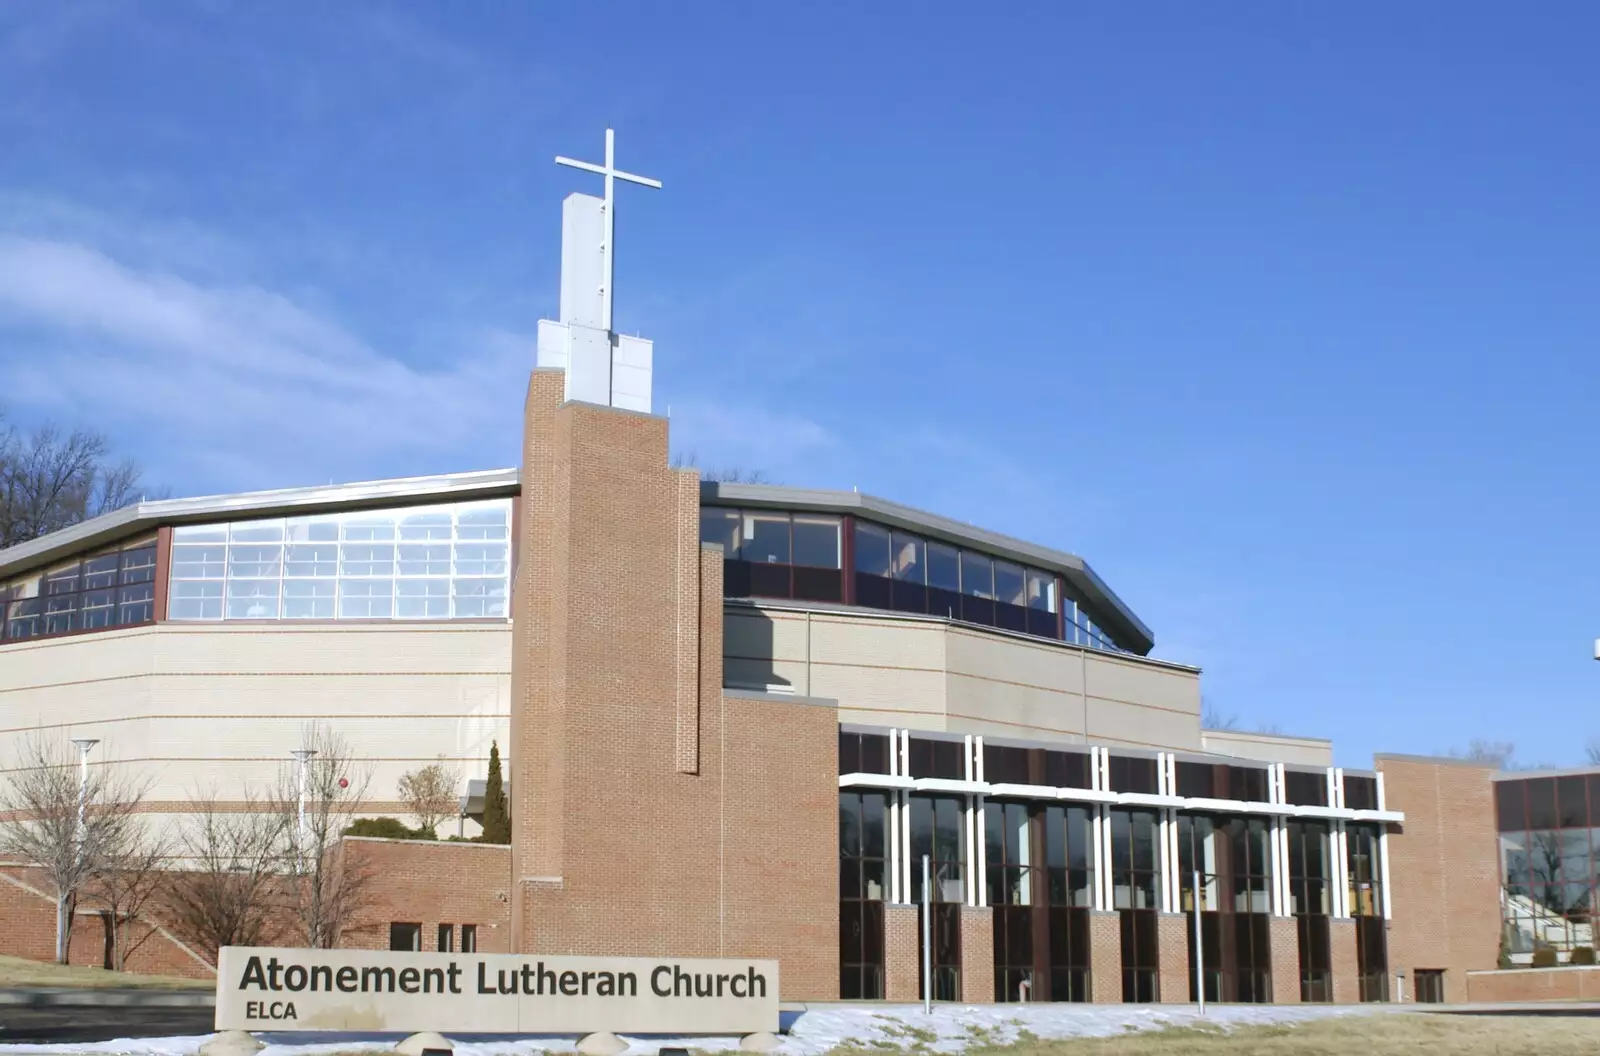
column 1105, row 957
column 977, row 955
column 901, row 966
column 1346, row 970
column 1172, row 945
column 1285, row 961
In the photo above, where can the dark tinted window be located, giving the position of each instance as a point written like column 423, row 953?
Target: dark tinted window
column 1542, row 803
column 1511, row 805
column 1247, row 783
column 1195, row 780
column 1130, row 774
column 1360, row 793
column 938, row 759
column 1306, row 789
column 1067, row 769
column 863, row 753
column 1570, row 801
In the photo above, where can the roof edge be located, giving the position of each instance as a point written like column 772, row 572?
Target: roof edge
column 393, row 491
column 1074, row 568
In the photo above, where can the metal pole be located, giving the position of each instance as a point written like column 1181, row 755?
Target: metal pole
column 927, row 941
column 304, row 755
column 85, row 745
column 1199, row 949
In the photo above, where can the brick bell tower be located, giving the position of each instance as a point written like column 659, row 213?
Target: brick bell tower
column 632, row 781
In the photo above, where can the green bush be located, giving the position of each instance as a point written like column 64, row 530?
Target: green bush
column 1581, row 955
column 387, row 829
column 1544, row 957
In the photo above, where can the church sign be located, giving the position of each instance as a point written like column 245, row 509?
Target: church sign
column 292, row 989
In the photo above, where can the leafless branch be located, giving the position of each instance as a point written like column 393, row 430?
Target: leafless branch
column 47, row 795
column 431, row 793
column 226, row 894
column 331, row 889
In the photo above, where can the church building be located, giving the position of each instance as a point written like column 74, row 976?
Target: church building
column 737, row 720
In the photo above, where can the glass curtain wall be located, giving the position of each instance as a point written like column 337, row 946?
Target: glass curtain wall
column 1039, row 867
column 778, row 554
column 938, row 830
column 1310, row 893
column 1135, row 895
column 1366, row 906
column 1549, row 844
column 1234, row 902
column 419, row 563
column 863, row 873
column 112, row 588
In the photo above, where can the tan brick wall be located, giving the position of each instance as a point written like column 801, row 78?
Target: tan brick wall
column 654, row 815
column 1285, row 961
column 1342, row 951
column 977, row 955
column 1444, row 869
column 1172, row 946
column 427, row 883
column 1105, row 958
column 1531, row 984
column 900, row 952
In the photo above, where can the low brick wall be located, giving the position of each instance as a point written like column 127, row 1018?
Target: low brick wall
column 1535, row 984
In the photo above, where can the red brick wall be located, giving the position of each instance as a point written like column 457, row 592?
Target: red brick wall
column 1529, row 984
column 1172, row 946
column 902, row 969
column 1444, row 869
column 28, row 912
column 1285, row 961
column 427, row 883
column 977, row 955
column 1346, row 973
column 1105, row 957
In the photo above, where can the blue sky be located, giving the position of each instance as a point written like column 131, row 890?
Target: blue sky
column 1282, row 315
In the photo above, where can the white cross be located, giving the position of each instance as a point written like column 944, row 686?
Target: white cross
column 610, row 171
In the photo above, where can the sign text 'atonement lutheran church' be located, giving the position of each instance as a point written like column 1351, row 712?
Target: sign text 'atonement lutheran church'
column 279, row 989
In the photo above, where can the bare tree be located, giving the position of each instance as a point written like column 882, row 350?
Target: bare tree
column 133, row 878
column 50, row 479
column 1592, row 752
column 1494, row 753
column 721, row 475
column 226, row 893
column 71, row 826
column 318, row 799
column 431, row 794
column 1212, row 719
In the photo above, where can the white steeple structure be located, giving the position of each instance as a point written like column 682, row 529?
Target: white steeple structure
column 602, row 367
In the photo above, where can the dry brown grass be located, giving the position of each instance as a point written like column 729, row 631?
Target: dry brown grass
column 15, row 971
column 1380, row 1034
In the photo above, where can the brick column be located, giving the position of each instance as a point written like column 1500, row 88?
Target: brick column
column 977, row 955
column 901, row 966
column 1346, row 971
column 1172, row 945
column 1286, row 961
column 1105, row 957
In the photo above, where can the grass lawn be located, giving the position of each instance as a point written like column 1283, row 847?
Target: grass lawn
column 1381, row 1034
column 14, row 971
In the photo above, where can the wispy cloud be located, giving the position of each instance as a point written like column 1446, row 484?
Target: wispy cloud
column 241, row 376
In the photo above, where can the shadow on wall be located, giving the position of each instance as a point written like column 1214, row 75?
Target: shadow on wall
column 749, row 645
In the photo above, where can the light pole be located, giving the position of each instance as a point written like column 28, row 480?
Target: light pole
column 304, row 755
column 85, row 746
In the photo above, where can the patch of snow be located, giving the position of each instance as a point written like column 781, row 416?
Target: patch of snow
column 948, row 1029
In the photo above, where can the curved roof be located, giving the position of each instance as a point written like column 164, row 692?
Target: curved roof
column 1120, row 620
column 1128, row 629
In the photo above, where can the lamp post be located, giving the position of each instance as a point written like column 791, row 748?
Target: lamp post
column 85, row 745
column 304, row 755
